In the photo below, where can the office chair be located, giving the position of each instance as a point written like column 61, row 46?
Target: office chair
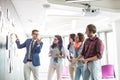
column 108, row 72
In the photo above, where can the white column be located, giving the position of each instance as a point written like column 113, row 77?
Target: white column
column 116, row 30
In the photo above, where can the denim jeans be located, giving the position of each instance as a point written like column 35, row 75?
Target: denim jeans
column 79, row 72
column 92, row 70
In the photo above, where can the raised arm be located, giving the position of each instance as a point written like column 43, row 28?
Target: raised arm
column 18, row 43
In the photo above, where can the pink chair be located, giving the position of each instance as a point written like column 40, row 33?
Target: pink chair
column 65, row 73
column 108, row 71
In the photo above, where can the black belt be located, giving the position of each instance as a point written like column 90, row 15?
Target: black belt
column 29, row 60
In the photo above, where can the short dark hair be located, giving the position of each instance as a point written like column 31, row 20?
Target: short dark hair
column 92, row 28
column 35, row 30
column 81, row 37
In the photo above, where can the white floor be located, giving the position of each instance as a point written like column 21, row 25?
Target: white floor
column 43, row 76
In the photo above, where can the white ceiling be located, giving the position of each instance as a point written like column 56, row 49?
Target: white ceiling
column 31, row 13
column 111, row 4
column 58, row 19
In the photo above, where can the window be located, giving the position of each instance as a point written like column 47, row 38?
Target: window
column 108, row 41
column 103, row 38
column 111, row 48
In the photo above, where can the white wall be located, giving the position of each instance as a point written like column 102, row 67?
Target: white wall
column 116, row 30
column 9, row 58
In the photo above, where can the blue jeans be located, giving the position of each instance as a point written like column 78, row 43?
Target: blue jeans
column 79, row 72
column 92, row 70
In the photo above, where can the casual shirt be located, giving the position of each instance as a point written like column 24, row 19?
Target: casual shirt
column 77, row 53
column 93, row 47
column 56, row 51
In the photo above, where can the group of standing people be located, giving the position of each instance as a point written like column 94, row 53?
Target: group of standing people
column 84, row 55
column 75, row 47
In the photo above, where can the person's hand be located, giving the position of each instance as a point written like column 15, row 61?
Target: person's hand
column 39, row 40
column 58, row 55
column 51, row 51
column 81, row 61
column 70, row 60
column 74, row 60
column 85, row 61
column 16, row 36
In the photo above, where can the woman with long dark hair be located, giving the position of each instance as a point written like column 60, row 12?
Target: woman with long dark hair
column 78, row 49
column 57, row 53
column 71, row 54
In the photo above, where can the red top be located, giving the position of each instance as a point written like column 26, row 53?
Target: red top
column 76, row 45
column 93, row 47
